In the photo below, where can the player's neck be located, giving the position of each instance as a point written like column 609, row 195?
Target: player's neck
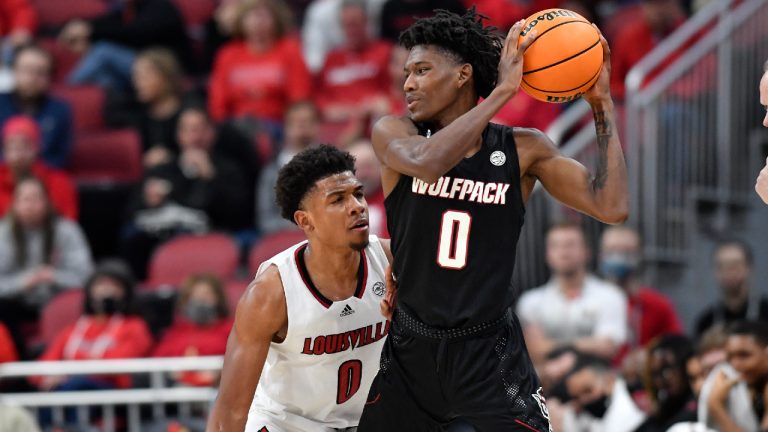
column 333, row 271
column 460, row 106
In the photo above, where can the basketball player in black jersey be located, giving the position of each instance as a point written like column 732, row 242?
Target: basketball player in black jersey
column 456, row 187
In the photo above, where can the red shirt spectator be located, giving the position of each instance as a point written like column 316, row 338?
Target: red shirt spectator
column 651, row 314
column 525, row 111
column 21, row 144
column 17, row 17
column 262, row 73
column 638, row 38
column 7, row 348
column 106, row 330
column 354, row 77
column 202, row 328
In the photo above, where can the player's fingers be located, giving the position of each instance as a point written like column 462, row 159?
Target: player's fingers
column 604, row 43
column 514, row 34
column 526, row 43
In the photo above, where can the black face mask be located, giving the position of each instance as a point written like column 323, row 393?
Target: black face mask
column 108, row 305
column 200, row 313
column 597, row 407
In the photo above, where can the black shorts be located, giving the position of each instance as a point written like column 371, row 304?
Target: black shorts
column 424, row 383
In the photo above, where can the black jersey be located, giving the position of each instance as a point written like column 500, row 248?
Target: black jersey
column 454, row 241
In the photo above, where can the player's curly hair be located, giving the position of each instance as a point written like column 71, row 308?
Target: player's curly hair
column 464, row 38
column 296, row 178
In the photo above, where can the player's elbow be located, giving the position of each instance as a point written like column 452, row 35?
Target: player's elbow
column 615, row 214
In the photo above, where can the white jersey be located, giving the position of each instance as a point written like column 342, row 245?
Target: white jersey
column 319, row 376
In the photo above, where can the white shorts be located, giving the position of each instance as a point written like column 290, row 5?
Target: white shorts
column 259, row 421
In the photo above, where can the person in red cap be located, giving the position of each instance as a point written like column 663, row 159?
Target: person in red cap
column 21, row 147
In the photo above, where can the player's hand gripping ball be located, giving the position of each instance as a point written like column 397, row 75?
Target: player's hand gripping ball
column 564, row 60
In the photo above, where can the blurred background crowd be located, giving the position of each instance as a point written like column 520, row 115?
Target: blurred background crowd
column 140, row 143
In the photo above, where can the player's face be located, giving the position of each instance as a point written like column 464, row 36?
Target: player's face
column 764, row 97
column 566, row 251
column 431, row 82
column 337, row 213
column 747, row 357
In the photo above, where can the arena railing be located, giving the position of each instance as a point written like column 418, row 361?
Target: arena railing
column 159, row 395
column 574, row 132
column 689, row 130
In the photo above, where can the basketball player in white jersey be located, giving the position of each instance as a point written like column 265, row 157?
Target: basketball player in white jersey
column 309, row 330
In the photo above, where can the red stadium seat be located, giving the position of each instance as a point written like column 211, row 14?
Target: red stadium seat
column 235, row 290
column 182, row 256
column 87, row 104
column 60, row 312
column 64, row 58
column 195, row 12
column 112, row 156
column 270, row 245
column 53, row 13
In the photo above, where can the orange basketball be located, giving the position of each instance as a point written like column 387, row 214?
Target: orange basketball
column 564, row 60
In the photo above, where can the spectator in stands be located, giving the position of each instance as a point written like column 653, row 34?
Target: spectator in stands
column 18, row 23
column 398, row 15
column 108, row 329
column 32, row 71
column 201, row 327
column 761, row 185
column 524, row 111
column 747, row 349
column 667, row 383
column 733, row 261
column 302, row 128
column 636, row 39
column 110, row 42
column 21, row 147
column 322, row 30
column 256, row 76
column 16, row 419
column 7, row 346
column 198, row 191
column 397, row 59
column 355, row 78
column 369, row 173
column 710, row 352
column 600, row 399
column 157, row 81
column 501, row 14
column 574, row 307
column 40, row 254
column 650, row 313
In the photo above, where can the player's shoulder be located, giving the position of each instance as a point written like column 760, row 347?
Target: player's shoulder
column 264, row 295
column 532, row 137
column 396, row 122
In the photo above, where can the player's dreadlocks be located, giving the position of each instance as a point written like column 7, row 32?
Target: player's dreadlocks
column 465, row 39
column 298, row 177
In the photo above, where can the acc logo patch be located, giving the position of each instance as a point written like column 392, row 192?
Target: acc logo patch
column 379, row 289
column 498, row 158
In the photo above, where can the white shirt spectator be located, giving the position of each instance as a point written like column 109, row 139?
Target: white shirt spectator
column 739, row 402
column 622, row 415
column 599, row 311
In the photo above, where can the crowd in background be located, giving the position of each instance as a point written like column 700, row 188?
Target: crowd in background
column 216, row 95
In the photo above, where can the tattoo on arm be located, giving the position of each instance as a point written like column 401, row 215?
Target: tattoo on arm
column 604, row 132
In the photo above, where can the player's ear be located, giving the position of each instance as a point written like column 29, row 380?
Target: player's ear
column 303, row 220
column 465, row 73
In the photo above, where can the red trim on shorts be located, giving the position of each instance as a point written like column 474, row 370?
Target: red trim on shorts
column 526, row 425
column 376, row 399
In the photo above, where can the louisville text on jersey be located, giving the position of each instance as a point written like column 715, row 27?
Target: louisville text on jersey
column 463, row 189
column 335, row 343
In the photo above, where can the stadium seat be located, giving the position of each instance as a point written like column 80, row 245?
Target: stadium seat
column 270, row 245
column 107, row 157
column 182, row 256
column 64, row 58
column 87, row 104
column 54, row 13
column 235, row 290
column 195, row 12
column 60, row 312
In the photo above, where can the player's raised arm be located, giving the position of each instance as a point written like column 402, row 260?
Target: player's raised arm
column 396, row 140
column 261, row 315
column 602, row 194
